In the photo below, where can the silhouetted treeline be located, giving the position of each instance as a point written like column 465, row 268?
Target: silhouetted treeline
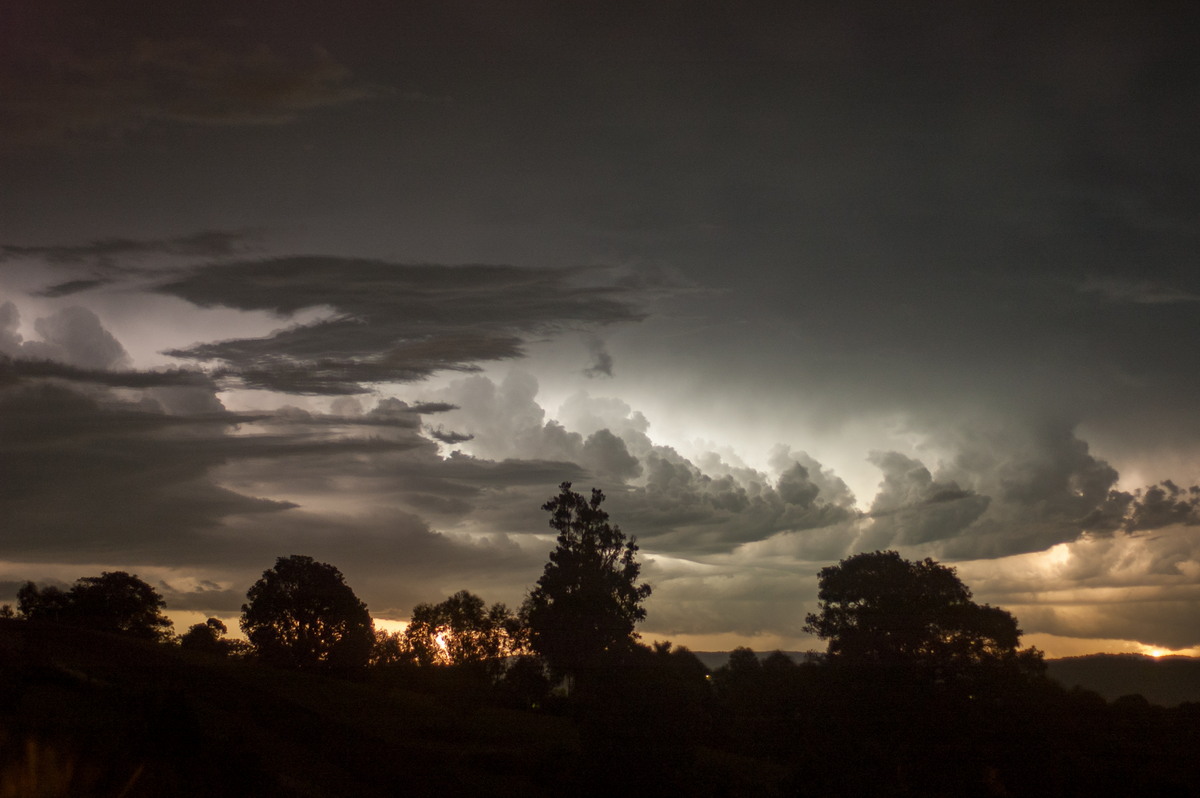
column 923, row 692
column 870, row 730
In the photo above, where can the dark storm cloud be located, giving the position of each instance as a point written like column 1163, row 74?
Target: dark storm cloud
column 207, row 597
column 1124, row 586
column 448, row 437
column 14, row 369
column 895, row 213
column 393, row 561
column 110, row 252
column 1148, row 509
column 74, row 346
column 344, row 356
column 72, row 287
column 73, row 335
column 602, row 360
column 1154, row 620
column 206, row 83
column 94, row 74
column 132, row 476
column 388, row 412
column 141, row 483
column 1141, row 292
column 393, row 322
column 1162, row 505
column 373, row 289
column 137, row 464
column 672, row 504
column 682, row 510
column 913, row 508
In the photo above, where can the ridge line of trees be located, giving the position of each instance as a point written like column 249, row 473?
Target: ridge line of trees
column 580, row 618
column 922, row 692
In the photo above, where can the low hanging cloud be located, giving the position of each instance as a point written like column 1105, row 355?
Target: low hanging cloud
column 129, row 475
column 389, row 322
column 1119, row 586
column 912, row 508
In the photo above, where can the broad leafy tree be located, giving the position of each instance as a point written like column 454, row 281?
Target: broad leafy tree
column 877, row 608
column 208, row 637
column 115, row 601
column 588, row 600
column 48, row 604
column 302, row 614
column 388, row 649
column 462, row 630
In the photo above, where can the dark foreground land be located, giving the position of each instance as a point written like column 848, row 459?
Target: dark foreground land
column 90, row 714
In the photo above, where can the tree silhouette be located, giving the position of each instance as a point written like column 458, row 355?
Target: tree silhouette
column 388, row 649
column 115, row 601
column 877, row 608
column 587, row 600
column 48, row 604
column 301, row 614
column 462, row 630
column 207, row 637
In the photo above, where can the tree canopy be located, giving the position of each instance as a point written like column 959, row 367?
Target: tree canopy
column 302, row 614
column 877, row 608
column 115, row 601
column 462, row 630
column 587, row 601
column 208, row 637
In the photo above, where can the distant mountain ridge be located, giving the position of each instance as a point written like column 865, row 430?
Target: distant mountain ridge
column 715, row 659
column 1167, row 681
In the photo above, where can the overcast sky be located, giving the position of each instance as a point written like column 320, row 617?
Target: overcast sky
column 366, row 281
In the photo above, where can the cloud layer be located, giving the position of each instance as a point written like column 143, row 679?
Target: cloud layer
column 389, row 322
column 787, row 282
column 162, row 476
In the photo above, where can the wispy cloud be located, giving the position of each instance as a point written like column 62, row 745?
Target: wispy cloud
column 110, row 260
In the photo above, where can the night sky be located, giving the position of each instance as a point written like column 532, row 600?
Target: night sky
column 367, row 280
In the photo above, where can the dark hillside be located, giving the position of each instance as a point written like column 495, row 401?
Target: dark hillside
column 91, row 714
column 1167, row 681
